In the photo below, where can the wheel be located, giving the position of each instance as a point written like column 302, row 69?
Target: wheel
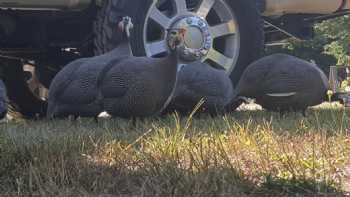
column 23, row 89
column 227, row 34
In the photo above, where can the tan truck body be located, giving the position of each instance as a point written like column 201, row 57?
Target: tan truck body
column 45, row 4
column 281, row 7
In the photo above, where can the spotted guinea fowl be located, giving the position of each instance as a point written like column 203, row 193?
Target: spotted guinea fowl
column 140, row 86
column 73, row 91
column 282, row 82
column 3, row 97
column 123, row 86
column 200, row 81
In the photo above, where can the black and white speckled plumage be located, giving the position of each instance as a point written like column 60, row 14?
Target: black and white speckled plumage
column 3, row 98
column 141, row 86
column 123, row 86
column 282, row 83
column 74, row 89
column 198, row 81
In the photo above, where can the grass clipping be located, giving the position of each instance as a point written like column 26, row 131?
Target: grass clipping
column 243, row 154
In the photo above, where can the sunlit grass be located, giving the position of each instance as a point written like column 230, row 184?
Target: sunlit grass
column 244, row 154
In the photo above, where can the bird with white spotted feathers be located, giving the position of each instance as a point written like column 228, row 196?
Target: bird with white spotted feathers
column 282, row 83
column 122, row 85
column 200, row 81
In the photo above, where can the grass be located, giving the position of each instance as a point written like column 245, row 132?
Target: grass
column 243, row 154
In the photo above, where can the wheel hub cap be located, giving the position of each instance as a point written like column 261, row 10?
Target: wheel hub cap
column 212, row 34
column 198, row 40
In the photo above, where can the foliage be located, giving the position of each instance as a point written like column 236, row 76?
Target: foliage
column 330, row 46
column 337, row 32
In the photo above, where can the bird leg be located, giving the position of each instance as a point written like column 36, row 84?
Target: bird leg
column 73, row 118
column 96, row 119
column 137, row 119
column 304, row 113
column 134, row 121
column 282, row 113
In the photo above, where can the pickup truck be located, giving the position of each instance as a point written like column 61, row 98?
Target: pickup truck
column 227, row 34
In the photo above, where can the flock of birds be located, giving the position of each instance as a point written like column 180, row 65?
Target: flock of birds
column 130, row 87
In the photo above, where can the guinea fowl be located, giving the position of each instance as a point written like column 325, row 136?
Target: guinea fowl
column 3, row 103
column 122, row 86
column 74, row 88
column 282, row 82
column 200, row 81
column 140, row 86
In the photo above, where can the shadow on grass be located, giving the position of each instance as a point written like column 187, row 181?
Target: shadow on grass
column 107, row 159
column 147, row 177
column 297, row 187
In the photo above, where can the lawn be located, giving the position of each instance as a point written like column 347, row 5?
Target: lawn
column 249, row 153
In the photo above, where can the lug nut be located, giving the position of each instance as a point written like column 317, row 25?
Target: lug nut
column 200, row 23
column 189, row 21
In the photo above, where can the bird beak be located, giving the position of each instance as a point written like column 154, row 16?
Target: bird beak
column 182, row 32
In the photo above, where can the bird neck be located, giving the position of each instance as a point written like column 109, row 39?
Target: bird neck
column 170, row 66
column 169, row 73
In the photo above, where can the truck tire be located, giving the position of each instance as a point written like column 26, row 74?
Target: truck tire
column 237, row 49
column 107, row 36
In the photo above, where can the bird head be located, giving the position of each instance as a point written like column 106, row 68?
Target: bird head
column 176, row 38
column 125, row 25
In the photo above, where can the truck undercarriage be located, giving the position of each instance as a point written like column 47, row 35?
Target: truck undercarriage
column 27, row 34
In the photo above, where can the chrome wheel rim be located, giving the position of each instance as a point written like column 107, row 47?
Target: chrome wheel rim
column 213, row 31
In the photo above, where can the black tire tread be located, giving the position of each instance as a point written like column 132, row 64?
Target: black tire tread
column 251, row 24
column 105, row 26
